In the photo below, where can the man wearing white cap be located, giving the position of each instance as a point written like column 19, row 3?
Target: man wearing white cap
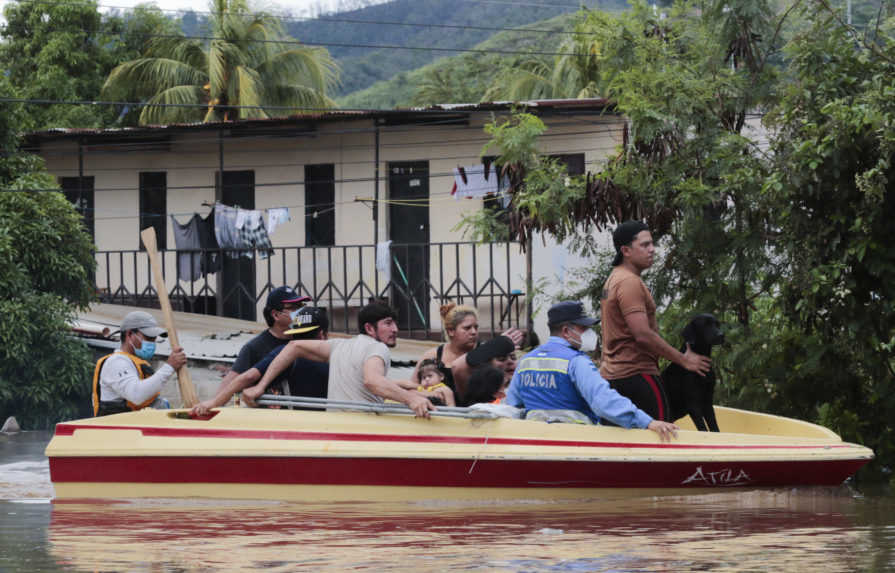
column 123, row 380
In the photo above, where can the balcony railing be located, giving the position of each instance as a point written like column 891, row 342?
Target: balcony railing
column 416, row 280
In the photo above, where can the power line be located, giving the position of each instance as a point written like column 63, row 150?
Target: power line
column 366, row 46
column 292, row 183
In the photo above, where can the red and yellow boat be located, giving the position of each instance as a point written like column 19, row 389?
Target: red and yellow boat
column 241, row 453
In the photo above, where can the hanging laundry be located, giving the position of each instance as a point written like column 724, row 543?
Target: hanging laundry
column 470, row 182
column 384, row 260
column 196, row 237
column 248, row 218
column 225, row 231
column 276, row 217
column 254, row 234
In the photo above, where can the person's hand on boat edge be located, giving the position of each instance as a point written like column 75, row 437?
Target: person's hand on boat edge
column 666, row 430
column 420, row 405
column 202, row 408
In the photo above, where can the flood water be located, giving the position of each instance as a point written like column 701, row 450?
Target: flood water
column 802, row 529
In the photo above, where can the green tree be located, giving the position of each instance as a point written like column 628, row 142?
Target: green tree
column 46, row 257
column 789, row 242
column 248, row 62
column 56, row 51
column 833, row 191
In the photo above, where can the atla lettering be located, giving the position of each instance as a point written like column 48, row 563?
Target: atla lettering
column 538, row 379
column 725, row 477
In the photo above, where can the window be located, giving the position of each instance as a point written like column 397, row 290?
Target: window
column 320, row 198
column 574, row 162
column 153, row 206
column 79, row 191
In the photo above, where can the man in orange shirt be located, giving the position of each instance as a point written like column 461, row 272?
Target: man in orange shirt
column 631, row 342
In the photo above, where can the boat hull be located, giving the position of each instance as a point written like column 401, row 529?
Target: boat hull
column 242, row 453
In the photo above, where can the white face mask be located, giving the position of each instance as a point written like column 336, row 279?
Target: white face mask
column 588, row 341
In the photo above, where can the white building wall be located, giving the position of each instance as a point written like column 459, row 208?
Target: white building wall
column 278, row 163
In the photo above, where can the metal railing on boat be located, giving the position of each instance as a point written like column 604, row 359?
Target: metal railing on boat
column 378, row 408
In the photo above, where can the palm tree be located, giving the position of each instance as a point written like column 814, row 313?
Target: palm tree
column 573, row 74
column 248, row 61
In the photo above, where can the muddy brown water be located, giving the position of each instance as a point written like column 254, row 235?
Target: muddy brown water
column 800, row 529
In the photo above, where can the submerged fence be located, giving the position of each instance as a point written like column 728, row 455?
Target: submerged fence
column 414, row 278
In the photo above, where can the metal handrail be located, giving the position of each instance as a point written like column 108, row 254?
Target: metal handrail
column 378, row 408
column 341, row 278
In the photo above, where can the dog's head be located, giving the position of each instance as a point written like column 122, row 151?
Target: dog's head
column 703, row 331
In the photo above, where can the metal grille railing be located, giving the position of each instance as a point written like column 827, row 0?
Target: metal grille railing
column 416, row 279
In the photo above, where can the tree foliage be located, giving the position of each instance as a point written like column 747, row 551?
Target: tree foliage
column 47, row 259
column 248, row 62
column 776, row 169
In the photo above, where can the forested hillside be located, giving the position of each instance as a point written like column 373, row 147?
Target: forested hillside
column 465, row 77
column 469, row 22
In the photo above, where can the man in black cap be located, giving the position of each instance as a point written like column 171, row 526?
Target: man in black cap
column 282, row 306
column 559, row 375
column 305, row 377
column 631, row 341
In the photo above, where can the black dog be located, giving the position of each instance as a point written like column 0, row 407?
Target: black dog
column 688, row 392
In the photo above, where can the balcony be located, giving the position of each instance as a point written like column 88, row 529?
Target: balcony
column 416, row 279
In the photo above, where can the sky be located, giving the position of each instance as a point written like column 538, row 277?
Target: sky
column 294, row 7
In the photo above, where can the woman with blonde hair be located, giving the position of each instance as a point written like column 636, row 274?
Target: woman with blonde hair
column 461, row 329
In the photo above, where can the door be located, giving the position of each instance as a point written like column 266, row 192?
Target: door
column 408, row 215
column 237, row 286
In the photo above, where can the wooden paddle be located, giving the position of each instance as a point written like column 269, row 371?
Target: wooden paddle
column 187, row 391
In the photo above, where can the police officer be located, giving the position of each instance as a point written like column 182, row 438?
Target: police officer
column 559, row 375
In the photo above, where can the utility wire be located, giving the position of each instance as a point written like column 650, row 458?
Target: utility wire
column 295, row 183
column 480, row 51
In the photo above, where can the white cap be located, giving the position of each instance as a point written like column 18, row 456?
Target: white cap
column 144, row 322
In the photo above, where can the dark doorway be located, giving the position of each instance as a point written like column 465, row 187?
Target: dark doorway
column 408, row 184
column 79, row 192
column 237, row 286
column 320, row 207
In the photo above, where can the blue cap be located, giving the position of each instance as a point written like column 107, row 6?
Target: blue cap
column 569, row 311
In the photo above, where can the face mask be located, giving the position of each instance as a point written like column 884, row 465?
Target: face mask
column 146, row 350
column 293, row 315
column 588, row 341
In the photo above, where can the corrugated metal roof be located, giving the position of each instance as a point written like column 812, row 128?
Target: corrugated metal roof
column 537, row 106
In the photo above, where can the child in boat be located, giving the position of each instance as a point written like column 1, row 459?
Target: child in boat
column 487, row 385
column 431, row 380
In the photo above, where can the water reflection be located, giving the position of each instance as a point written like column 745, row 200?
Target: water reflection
column 831, row 529
column 728, row 531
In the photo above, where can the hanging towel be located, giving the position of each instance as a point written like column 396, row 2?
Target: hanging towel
column 275, row 217
column 470, row 182
column 384, row 260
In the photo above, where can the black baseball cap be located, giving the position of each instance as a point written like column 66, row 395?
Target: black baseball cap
column 308, row 319
column 498, row 346
column 623, row 235
column 282, row 295
column 569, row 311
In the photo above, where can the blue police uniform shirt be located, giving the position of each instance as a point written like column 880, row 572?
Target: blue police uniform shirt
column 555, row 376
